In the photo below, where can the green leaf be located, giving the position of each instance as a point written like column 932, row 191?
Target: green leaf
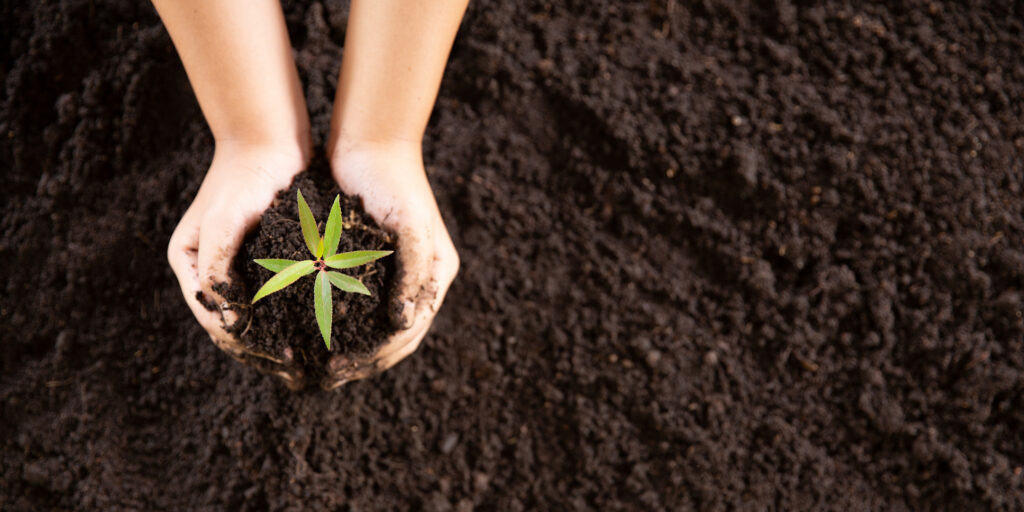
column 346, row 283
column 332, row 231
column 320, row 248
column 354, row 258
column 323, row 305
column 274, row 265
column 309, row 230
column 284, row 278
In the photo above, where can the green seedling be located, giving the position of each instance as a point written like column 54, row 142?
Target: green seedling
column 325, row 251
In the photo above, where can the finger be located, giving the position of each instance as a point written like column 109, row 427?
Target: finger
column 415, row 253
column 292, row 381
column 408, row 348
column 345, row 369
column 401, row 338
column 428, row 299
column 182, row 255
column 284, row 367
column 397, row 348
column 220, row 237
column 292, row 375
column 353, row 371
column 446, row 265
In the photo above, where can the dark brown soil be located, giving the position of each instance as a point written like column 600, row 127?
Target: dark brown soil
column 286, row 319
column 717, row 255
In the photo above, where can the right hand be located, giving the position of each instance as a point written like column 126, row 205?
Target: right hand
column 242, row 182
column 391, row 181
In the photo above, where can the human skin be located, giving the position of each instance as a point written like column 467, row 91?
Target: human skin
column 395, row 52
column 238, row 60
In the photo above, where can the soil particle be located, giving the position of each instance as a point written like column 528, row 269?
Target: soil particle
column 449, row 443
column 63, row 345
column 35, row 474
column 711, row 358
column 836, row 187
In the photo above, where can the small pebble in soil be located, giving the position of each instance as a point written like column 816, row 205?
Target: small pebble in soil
column 63, row 343
column 449, row 443
column 711, row 358
column 35, row 474
column 652, row 358
column 481, row 481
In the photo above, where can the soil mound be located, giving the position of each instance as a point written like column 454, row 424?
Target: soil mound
column 285, row 320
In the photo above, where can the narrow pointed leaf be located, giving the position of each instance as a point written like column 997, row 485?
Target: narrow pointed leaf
column 319, row 248
column 346, row 283
column 284, row 278
column 274, row 265
column 354, row 258
column 309, row 230
column 323, row 306
column 332, row 231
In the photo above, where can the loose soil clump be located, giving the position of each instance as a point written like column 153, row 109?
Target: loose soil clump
column 284, row 321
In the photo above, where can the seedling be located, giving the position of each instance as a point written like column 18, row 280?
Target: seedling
column 325, row 251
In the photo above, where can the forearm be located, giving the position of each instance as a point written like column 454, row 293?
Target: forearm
column 239, row 62
column 395, row 54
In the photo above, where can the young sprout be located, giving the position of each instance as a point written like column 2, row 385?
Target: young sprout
column 325, row 251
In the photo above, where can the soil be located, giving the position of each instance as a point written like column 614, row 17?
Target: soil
column 717, row 255
column 285, row 319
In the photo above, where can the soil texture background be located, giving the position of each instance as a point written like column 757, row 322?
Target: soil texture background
column 717, row 255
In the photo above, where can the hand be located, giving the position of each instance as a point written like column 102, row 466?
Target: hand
column 241, row 183
column 390, row 179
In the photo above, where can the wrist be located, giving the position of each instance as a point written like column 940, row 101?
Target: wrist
column 347, row 145
column 289, row 156
column 393, row 166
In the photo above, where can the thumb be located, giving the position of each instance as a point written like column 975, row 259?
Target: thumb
column 220, row 237
column 415, row 255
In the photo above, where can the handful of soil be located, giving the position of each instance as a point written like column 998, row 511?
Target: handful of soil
column 285, row 319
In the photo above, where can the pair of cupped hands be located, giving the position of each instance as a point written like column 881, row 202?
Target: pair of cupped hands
column 240, row 185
